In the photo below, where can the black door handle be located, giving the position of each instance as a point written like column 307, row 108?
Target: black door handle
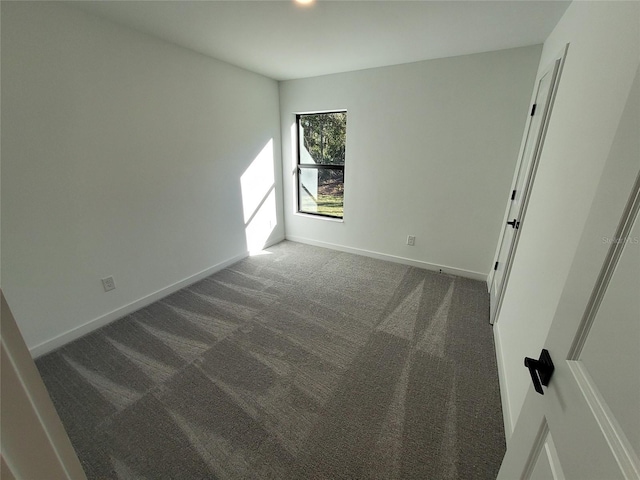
column 541, row 370
column 514, row 223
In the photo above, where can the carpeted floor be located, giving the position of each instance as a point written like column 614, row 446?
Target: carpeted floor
column 303, row 363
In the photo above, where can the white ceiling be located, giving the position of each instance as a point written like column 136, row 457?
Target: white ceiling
column 283, row 40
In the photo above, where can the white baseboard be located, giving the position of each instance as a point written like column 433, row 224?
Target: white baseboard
column 274, row 241
column 392, row 258
column 502, row 379
column 81, row 330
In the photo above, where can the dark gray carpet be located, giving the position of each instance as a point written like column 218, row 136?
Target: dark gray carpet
column 303, row 363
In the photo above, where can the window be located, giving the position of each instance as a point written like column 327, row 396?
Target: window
column 321, row 152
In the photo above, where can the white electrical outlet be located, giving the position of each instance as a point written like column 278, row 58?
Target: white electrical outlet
column 411, row 240
column 108, row 284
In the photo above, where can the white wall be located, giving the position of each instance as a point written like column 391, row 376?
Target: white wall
column 431, row 150
column 122, row 155
column 600, row 65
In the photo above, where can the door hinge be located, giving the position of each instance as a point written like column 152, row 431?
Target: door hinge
column 495, row 267
column 533, row 109
column 513, row 195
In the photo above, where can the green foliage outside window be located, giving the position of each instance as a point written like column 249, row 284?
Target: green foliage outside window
column 325, row 137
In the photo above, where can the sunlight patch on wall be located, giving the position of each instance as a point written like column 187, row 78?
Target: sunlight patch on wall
column 262, row 224
column 259, row 199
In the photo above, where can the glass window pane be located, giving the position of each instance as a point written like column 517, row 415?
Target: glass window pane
column 322, row 138
column 321, row 191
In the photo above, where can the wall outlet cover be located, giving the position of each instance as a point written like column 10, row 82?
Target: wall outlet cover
column 108, row 283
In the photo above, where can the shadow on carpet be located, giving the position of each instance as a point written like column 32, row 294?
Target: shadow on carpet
column 302, row 363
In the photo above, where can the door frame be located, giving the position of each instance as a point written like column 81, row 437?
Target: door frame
column 559, row 59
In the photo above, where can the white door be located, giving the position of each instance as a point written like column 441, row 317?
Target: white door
column 540, row 112
column 586, row 425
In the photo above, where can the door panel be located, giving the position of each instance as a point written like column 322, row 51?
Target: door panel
column 547, row 465
column 523, row 181
column 610, row 354
column 542, row 468
column 590, row 437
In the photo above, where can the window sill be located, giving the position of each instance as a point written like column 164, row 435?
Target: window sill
column 319, row 217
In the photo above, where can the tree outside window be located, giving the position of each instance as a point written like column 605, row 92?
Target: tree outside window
column 321, row 159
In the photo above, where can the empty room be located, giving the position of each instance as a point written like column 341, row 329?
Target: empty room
column 320, row 239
